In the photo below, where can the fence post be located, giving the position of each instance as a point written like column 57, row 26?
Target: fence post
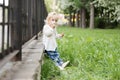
column 19, row 29
column 36, row 19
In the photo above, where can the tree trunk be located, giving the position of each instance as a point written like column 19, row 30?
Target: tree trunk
column 77, row 19
column 70, row 18
column 91, row 16
column 80, row 22
column 83, row 18
column 73, row 20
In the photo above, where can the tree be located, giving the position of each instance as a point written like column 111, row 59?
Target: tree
column 106, row 11
column 80, row 6
column 91, row 16
column 67, row 7
column 110, row 9
column 48, row 4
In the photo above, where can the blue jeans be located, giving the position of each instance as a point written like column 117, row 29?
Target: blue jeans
column 54, row 55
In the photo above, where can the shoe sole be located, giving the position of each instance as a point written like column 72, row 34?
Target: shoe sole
column 66, row 64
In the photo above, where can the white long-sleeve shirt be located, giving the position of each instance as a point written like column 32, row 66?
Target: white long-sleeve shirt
column 49, row 38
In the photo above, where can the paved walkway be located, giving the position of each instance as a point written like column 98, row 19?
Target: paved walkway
column 30, row 66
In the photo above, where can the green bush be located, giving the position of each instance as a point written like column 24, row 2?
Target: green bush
column 100, row 23
column 103, row 23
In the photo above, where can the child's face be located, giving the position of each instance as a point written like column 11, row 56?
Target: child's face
column 53, row 21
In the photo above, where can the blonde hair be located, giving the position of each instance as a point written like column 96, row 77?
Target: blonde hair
column 51, row 15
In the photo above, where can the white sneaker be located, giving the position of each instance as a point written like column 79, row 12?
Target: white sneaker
column 65, row 64
column 61, row 68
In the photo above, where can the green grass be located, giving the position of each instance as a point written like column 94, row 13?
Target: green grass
column 93, row 54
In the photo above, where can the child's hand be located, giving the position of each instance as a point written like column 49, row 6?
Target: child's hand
column 62, row 34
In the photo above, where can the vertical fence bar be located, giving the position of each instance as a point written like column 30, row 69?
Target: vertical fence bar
column 36, row 19
column 3, row 28
column 29, row 19
column 12, row 24
column 8, row 30
column 40, row 14
column 19, row 28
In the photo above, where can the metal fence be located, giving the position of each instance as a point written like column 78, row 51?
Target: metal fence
column 20, row 20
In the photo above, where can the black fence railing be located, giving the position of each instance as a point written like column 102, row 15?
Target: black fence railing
column 20, row 20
